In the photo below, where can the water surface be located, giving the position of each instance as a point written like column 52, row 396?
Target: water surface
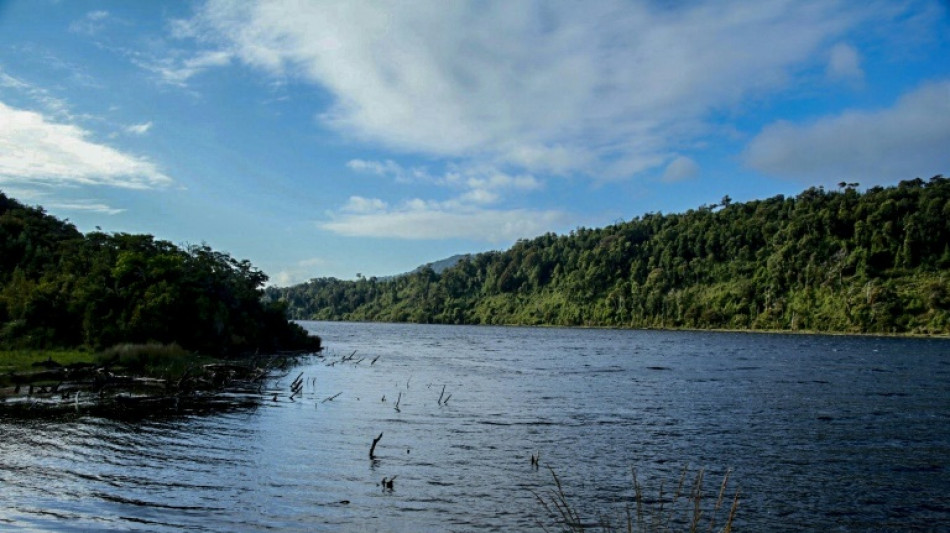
column 820, row 432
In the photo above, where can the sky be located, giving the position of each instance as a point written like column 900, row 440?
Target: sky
column 337, row 138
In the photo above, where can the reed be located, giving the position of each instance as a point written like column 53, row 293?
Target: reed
column 682, row 511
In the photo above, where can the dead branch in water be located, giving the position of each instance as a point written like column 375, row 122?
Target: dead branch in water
column 330, row 399
column 372, row 449
column 296, row 387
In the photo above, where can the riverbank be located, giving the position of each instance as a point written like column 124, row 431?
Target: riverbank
column 900, row 335
column 151, row 376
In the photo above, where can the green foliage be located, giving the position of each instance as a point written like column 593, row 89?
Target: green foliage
column 20, row 361
column 62, row 289
column 844, row 261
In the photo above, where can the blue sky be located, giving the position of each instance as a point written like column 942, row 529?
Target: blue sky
column 335, row 138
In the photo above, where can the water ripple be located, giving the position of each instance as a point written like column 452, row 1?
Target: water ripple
column 849, row 432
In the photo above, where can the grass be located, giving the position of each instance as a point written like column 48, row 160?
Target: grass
column 152, row 360
column 686, row 509
column 21, row 361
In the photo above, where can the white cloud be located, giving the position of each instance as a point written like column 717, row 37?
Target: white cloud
column 177, row 70
column 299, row 272
column 681, row 168
column 90, row 24
column 139, row 129
column 604, row 88
column 50, row 201
column 86, row 205
column 358, row 204
column 421, row 220
column 905, row 141
column 35, row 150
column 481, row 183
column 844, row 63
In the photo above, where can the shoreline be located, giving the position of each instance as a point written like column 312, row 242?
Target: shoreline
column 908, row 335
column 108, row 386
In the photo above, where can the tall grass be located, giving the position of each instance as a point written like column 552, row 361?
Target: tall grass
column 153, row 359
column 686, row 509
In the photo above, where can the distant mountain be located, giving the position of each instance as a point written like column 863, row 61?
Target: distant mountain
column 441, row 266
column 438, row 267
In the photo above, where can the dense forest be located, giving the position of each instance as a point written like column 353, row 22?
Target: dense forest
column 826, row 260
column 62, row 289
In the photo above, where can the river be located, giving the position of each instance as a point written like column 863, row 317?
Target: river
column 818, row 432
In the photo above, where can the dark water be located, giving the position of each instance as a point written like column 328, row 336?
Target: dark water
column 821, row 433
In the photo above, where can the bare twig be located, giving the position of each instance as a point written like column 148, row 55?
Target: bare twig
column 372, row 449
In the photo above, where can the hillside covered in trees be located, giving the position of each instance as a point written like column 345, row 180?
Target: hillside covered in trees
column 62, row 289
column 837, row 261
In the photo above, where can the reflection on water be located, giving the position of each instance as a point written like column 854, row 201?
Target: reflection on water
column 820, row 431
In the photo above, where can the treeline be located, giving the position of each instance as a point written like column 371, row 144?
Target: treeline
column 841, row 261
column 62, row 289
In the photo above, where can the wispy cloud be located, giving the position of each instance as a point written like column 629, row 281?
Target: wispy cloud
column 49, row 198
column 908, row 139
column 91, row 206
column 479, row 183
column 34, row 150
column 50, row 103
column 91, row 23
column 138, row 129
column 609, row 90
column 421, row 220
column 465, row 215
column 177, row 69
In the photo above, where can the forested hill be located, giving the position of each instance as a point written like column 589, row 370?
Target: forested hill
column 842, row 260
column 62, row 289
